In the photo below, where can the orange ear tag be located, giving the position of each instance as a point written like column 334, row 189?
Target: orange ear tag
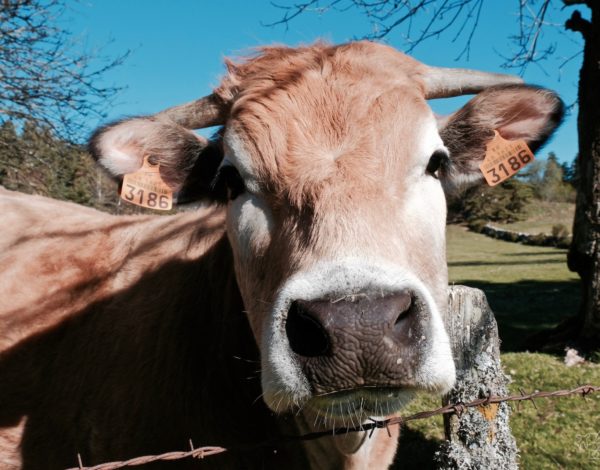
column 146, row 188
column 503, row 158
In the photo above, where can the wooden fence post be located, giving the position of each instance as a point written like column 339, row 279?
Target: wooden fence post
column 480, row 438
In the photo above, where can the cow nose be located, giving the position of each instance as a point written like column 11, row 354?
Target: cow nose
column 305, row 331
column 312, row 326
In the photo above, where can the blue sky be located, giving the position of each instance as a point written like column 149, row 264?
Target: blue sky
column 177, row 48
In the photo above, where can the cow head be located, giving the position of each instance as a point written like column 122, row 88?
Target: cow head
column 334, row 167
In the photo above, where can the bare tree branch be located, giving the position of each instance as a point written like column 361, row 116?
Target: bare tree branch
column 460, row 18
column 43, row 75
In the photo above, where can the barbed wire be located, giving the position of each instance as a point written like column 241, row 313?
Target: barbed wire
column 371, row 426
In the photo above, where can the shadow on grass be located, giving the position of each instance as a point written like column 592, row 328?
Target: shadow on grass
column 415, row 451
column 527, row 307
column 504, row 263
column 553, row 252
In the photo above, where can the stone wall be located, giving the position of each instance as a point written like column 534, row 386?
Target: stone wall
column 539, row 239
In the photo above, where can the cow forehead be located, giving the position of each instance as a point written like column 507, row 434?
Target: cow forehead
column 341, row 123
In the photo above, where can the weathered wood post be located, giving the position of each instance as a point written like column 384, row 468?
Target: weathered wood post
column 480, row 438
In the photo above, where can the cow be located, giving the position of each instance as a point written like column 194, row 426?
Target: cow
column 306, row 292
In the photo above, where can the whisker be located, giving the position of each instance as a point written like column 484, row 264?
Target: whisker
column 350, row 420
column 318, row 414
column 279, row 404
column 258, row 398
column 355, row 412
column 245, row 360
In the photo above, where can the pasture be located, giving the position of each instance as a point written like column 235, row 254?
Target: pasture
column 541, row 216
column 529, row 288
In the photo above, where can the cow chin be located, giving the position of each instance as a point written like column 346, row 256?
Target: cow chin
column 371, row 380
column 357, row 406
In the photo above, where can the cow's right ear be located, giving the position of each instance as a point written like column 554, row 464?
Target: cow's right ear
column 515, row 111
column 188, row 162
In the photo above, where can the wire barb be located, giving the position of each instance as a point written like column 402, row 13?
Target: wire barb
column 458, row 409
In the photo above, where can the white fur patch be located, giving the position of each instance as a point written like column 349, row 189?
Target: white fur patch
column 250, row 224
column 429, row 142
column 425, row 205
column 238, row 156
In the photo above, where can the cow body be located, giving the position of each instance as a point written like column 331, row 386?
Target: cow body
column 308, row 294
column 124, row 336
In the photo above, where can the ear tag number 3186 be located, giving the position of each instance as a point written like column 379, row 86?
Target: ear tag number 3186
column 503, row 158
column 146, row 188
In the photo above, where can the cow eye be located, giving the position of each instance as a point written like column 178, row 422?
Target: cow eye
column 437, row 159
column 228, row 183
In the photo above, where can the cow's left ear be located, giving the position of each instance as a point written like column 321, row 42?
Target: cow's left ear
column 187, row 162
column 515, row 111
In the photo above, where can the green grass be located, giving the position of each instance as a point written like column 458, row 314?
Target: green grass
column 529, row 289
column 557, row 433
column 541, row 216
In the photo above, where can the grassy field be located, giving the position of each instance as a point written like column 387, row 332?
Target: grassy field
column 560, row 433
column 529, row 288
column 541, row 216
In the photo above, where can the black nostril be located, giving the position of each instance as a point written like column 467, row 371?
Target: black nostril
column 403, row 306
column 305, row 333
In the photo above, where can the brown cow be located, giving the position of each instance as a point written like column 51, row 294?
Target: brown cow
column 316, row 280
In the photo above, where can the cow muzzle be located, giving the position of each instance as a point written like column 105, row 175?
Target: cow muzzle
column 363, row 338
column 363, row 344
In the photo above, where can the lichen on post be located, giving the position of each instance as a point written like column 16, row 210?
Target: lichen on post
column 480, row 438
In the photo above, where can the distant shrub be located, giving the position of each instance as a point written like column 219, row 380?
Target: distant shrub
column 34, row 161
column 539, row 239
column 550, row 180
column 512, row 236
column 477, row 225
column 503, row 203
column 560, row 231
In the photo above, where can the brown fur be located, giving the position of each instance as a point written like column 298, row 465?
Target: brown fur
column 129, row 342
column 332, row 86
column 123, row 336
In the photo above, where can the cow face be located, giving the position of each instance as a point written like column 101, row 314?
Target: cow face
column 334, row 167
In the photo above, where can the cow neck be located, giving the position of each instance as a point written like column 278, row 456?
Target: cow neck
column 226, row 363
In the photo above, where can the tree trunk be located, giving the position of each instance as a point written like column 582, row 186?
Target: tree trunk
column 584, row 254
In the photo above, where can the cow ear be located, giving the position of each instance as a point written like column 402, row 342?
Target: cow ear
column 188, row 162
column 515, row 111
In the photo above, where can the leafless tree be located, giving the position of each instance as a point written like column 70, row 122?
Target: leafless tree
column 460, row 18
column 457, row 18
column 45, row 77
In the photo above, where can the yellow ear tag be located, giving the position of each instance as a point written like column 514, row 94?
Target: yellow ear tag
column 503, row 158
column 146, row 188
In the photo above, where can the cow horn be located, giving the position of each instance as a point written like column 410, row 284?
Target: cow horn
column 441, row 82
column 204, row 112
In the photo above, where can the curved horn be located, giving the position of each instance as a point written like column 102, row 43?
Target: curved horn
column 441, row 82
column 204, row 112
